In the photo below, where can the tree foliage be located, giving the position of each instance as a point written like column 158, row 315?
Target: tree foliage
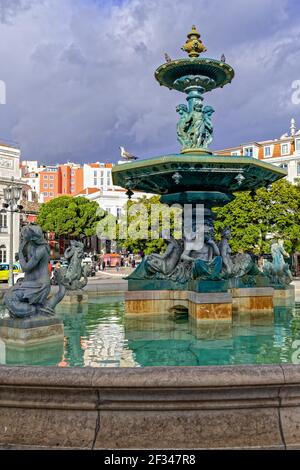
column 253, row 219
column 142, row 221
column 70, row 216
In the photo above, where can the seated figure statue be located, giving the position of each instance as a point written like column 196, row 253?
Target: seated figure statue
column 29, row 297
column 238, row 265
column 278, row 271
column 165, row 266
column 167, row 262
column 206, row 260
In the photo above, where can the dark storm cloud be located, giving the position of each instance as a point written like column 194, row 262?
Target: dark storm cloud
column 79, row 73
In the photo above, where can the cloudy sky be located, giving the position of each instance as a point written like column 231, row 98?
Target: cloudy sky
column 79, row 73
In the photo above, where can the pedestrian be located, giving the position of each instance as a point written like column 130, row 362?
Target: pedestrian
column 103, row 265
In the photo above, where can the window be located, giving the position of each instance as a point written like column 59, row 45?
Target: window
column 45, row 186
column 297, row 145
column 284, row 149
column 3, row 254
column 108, row 180
column 267, row 151
column 45, row 177
column 119, row 212
column 72, row 173
column 95, row 181
column 51, row 177
column 72, row 180
column 284, row 166
column 298, row 168
column 51, row 186
column 102, row 181
column 51, row 194
column 45, row 193
column 3, row 220
column 95, row 174
column 248, row 152
column 235, row 154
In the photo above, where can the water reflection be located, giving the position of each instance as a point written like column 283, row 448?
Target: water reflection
column 99, row 335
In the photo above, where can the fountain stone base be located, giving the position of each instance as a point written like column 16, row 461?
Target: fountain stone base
column 253, row 299
column 216, row 306
column 30, row 331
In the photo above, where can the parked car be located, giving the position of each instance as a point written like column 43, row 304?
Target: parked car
column 4, row 271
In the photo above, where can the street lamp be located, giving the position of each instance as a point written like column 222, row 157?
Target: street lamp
column 12, row 195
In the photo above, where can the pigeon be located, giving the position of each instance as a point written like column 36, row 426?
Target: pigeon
column 167, row 58
column 223, row 58
column 126, row 155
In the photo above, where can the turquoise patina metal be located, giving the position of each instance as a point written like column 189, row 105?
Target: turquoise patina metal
column 176, row 173
column 194, row 77
column 196, row 176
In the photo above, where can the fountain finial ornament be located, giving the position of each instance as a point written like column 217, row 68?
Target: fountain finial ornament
column 194, row 46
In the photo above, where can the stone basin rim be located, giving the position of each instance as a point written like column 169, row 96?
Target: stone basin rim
column 150, row 377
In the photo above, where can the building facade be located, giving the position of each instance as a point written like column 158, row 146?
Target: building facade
column 97, row 175
column 60, row 180
column 283, row 152
column 9, row 169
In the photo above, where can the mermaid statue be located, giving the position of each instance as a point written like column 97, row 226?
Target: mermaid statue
column 30, row 296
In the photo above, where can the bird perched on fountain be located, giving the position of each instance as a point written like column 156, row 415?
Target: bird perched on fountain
column 223, row 58
column 167, row 58
column 126, row 155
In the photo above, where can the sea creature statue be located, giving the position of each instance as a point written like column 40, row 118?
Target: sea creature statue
column 194, row 128
column 205, row 259
column 235, row 266
column 29, row 297
column 278, row 270
column 71, row 277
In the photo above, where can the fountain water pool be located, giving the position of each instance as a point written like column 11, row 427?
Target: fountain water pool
column 100, row 335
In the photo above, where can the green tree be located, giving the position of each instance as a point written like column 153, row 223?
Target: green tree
column 141, row 220
column 252, row 218
column 70, row 216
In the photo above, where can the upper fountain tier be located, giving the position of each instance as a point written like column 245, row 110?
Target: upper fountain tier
column 195, row 173
column 202, row 74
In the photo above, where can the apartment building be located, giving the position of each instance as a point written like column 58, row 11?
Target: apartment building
column 283, row 152
column 9, row 168
column 97, row 175
column 60, row 180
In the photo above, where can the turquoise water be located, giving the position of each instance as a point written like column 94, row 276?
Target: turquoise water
column 99, row 335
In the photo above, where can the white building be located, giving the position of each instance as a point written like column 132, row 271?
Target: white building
column 283, row 152
column 97, row 175
column 112, row 200
column 9, row 168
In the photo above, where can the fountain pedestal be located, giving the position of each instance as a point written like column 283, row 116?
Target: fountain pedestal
column 252, row 299
column 210, row 307
column 31, row 331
